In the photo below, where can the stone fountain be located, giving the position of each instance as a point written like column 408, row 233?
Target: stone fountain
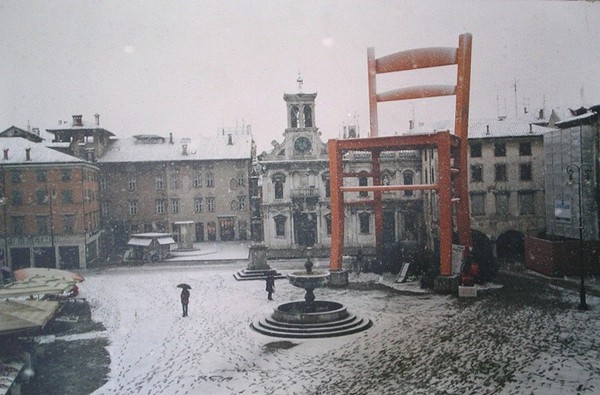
column 310, row 318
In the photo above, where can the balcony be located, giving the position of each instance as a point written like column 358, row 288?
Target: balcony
column 304, row 192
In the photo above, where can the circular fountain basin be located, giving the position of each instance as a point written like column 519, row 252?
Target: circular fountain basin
column 319, row 311
column 312, row 280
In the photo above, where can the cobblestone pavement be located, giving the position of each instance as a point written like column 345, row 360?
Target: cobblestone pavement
column 525, row 338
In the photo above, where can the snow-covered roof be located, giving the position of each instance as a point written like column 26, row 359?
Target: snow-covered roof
column 488, row 128
column 38, row 152
column 151, row 148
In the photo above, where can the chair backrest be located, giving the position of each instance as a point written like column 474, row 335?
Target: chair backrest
column 419, row 59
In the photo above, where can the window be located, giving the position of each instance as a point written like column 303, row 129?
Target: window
column 477, row 173
column 501, row 203
column 103, row 184
column 525, row 149
column 241, row 179
column 280, row 225
column 41, row 222
column 197, row 180
column 175, row 206
column 159, row 183
column 67, row 196
column 18, row 223
column 68, row 224
column 477, row 204
column 210, row 180
column 198, row 205
column 133, row 208
column 210, row 204
column 525, row 172
column 65, row 175
column 174, row 181
column 408, row 178
column 241, row 203
column 16, row 177
column 131, row 183
column 278, row 185
column 40, row 175
column 104, row 209
column 160, row 206
column 41, row 196
column 328, row 223
column 17, row 198
column 233, row 184
column 294, row 116
column 526, row 200
column 499, row 149
column 325, row 179
column 500, row 172
column 475, row 150
column 364, row 220
column 363, row 182
column 308, row 117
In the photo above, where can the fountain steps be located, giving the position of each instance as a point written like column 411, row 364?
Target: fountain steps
column 347, row 326
column 261, row 274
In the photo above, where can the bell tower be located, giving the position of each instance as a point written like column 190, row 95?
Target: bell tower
column 300, row 109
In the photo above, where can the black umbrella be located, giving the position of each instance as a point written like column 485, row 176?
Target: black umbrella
column 184, row 286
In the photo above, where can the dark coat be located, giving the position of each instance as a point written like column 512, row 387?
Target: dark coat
column 270, row 284
column 185, row 296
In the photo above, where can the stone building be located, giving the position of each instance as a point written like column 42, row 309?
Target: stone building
column 50, row 209
column 197, row 186
column 506, row 182
column 295, row 190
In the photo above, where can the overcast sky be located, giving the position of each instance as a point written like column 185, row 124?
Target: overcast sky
column 192, row 67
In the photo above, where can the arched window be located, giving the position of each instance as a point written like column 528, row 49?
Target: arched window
column 308, row 121
column 364, row 220
column 408, row 179
column 363, row 182
column 294, row 116
column 280, row 225
column 328, row 223
column 325, row 178
column 278, row 181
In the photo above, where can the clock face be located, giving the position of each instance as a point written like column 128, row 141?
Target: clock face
column 302, row 145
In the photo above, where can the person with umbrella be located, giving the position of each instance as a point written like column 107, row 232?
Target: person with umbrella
column 270, row 286
column 185, row 297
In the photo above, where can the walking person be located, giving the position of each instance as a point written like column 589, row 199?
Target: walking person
column 185, row 299
column 270, row 286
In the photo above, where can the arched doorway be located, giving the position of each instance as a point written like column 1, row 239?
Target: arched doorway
column 510, row 245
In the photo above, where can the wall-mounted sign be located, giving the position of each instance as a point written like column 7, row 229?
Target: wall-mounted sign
column 562, row 211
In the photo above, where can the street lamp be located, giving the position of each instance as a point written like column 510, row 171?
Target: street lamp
column 587, row 179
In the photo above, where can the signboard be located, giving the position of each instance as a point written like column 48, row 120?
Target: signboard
column 402, row 276
column 457, row 257
column 562, row 211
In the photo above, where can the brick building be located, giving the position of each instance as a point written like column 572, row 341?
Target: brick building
column 49, row 212
column 153, row 183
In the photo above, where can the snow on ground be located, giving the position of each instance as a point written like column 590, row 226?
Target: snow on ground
column 419, row 343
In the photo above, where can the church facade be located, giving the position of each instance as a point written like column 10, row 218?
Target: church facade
column 295, row 195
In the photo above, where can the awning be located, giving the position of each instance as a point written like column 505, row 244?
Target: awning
column 134, row 241
column 36, row 286
column 20, row 315
column 165, row 240
column 32, row 272
column 9, row 371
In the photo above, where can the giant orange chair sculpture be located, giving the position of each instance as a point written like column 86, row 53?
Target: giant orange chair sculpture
column 451, row 185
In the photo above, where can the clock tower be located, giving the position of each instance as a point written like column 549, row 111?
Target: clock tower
column 295, row 179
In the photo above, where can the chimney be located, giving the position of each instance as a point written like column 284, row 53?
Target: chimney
column 541, row 115
column 229, row 139
column 5, row 153
column 28, row 154
column 36, row 131
column 170, row 138
column 487, row 130
column 530, row 128
column 411, row 124
column 184, row 149
column 77, row 120
column 97, row 116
